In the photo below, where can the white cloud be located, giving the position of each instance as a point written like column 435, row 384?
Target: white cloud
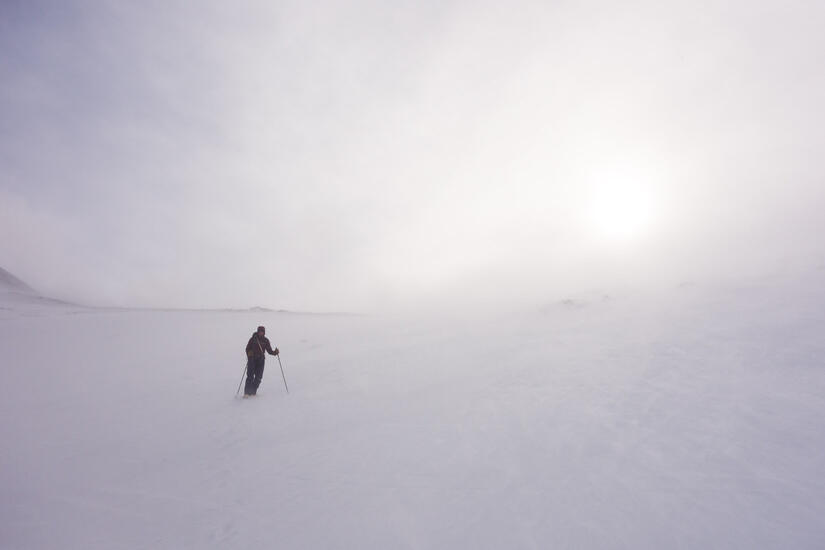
column 347, row 156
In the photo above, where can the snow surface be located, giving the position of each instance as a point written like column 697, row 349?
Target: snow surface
column 691, row 419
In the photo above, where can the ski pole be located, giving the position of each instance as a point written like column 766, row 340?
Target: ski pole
column 241, row 382
column 282, row 372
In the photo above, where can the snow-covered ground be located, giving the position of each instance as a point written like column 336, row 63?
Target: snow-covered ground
column 694, row 418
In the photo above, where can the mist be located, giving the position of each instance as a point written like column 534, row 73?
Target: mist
column 367, row 156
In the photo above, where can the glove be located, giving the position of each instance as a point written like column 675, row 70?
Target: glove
column 277, row 351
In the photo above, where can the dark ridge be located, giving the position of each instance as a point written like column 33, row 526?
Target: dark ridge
column 10, row 282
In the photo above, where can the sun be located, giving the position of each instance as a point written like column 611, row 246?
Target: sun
column 621, row 214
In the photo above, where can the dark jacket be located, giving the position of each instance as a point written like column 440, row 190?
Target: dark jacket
column 257, row 346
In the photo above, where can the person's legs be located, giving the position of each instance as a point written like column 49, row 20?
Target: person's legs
column 250, row 377
column 259, row 374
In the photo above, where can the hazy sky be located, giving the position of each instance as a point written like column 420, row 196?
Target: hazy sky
column 356, row 156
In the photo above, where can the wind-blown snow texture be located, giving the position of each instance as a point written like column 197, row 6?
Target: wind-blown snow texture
column 692, row 420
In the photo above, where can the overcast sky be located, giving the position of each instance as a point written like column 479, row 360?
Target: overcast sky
column 368, row 155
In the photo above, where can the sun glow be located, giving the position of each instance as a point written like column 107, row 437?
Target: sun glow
column 621, row 214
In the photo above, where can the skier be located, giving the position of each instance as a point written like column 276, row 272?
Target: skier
column 255, row 349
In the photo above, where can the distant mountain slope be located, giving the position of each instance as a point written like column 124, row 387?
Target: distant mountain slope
column 10, row 283
column 16, row 295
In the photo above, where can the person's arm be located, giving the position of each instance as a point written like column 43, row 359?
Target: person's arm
column 249, row 349
column 269, row 348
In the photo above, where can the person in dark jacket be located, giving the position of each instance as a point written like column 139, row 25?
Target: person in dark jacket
column 256, row 351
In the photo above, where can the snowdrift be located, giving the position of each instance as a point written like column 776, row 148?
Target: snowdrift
column 692, row 419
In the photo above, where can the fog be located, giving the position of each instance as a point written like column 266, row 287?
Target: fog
column 372, row 156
